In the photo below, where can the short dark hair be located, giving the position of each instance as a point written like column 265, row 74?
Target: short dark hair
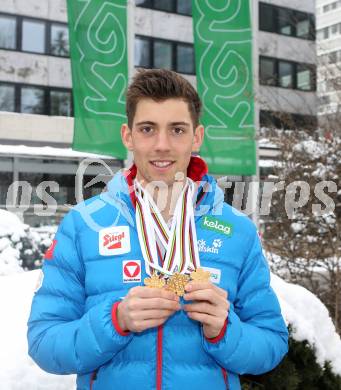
column 159, row 85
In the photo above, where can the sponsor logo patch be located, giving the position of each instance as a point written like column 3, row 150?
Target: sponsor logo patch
column 214, row 248
column 131, row 270
column 216, row 225
column 49, row 252
column 114, row 240
column 215, row 274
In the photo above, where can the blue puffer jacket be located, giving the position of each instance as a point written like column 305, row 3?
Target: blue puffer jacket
column 73, row 328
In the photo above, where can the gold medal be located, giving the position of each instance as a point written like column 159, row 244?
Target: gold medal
column 199, row 275
column 177, row 283
column 154, row 281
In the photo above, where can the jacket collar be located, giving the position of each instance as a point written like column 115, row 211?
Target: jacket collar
column 196, row 170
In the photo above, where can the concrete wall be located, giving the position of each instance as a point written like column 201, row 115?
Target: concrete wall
column 31, row 129
column 35, row 69
column 44, row 9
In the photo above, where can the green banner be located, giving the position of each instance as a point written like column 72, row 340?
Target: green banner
column 98, row 42
column 223, row 55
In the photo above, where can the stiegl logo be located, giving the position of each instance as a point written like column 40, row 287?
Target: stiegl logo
column 114, row 240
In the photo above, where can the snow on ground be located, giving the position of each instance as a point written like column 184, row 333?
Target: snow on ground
column 10, row 227
column 18, row 371
column 46, row 151
column 10, row 223
column 310, row 320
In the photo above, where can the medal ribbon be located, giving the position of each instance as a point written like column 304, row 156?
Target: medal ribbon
column 179, row 241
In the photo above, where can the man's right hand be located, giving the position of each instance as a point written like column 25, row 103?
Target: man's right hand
column 145, row 308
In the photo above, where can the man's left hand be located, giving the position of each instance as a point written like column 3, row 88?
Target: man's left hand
column 210, row 307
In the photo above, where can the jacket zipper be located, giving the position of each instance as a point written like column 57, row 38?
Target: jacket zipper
column 159, row 358
column 93, row 378
column 225, row 378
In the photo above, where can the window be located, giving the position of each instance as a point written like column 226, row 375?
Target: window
column 142, row 52
column 305, row 81
column 286, row 21
column 32, row 100
column 185, row 59
column 183, row 7
column 164, row 5
column 60, row 102
column 59, row 43
column 35, row 99
column 332, row 6
column 326, row 33
column 159, row 53
column 6, row 179
column 330, row 31
column 267, row 17
column 267, row 68
column 163, row 55
column 303, row 25
column 33, row 36
column 286, row 74
column 7, row 97
column 7, row 32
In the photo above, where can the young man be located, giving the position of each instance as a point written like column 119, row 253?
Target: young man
column 168, row 288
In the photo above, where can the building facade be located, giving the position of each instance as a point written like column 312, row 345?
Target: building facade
column 35, row 75
column 328, row 26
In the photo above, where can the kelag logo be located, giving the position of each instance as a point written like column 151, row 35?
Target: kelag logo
column 216, row 225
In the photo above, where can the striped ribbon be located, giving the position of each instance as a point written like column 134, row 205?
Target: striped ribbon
column 179, row 241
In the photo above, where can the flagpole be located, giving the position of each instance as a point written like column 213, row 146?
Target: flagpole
column 130, row 48
column 255, row 190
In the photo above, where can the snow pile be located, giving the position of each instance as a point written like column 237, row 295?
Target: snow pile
column 12, row 230
column 21, row 247
column 314, row 149
column 310, row 321
column 18, row 371
column 10, row 223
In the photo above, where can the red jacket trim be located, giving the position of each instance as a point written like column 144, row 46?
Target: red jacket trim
column 159, row 358
column 221, row 334
column 115, row 321
column 196, row 170
column 49, row 253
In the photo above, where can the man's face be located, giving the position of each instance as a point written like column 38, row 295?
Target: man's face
column 162, row 139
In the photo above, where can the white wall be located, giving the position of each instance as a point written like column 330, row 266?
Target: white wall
column 293, row 49
column 35, row 69
column 44, row 9
column 35, row 128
